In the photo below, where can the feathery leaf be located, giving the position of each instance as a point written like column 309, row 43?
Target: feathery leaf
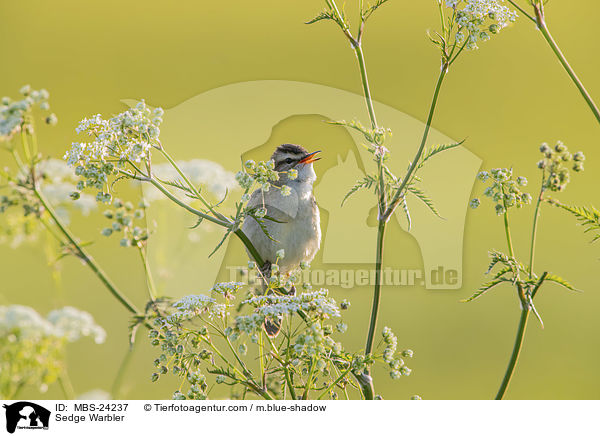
column 436, row 149
column 424, row 198
column 483, row 289
column 367, row 182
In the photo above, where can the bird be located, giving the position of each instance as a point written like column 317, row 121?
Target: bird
column 293, row 223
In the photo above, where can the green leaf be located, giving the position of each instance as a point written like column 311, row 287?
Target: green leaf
column 483, row 289
column 501, row 272
column 406, row 212
column 424, row 198
column 177, row 183
column 263, row 226
column 365, row 183
column 588, row 217
column 356, row 125
column 436, row 149
column 221, row 242
column 200, row 219
column 562, row 282
column 498, row 257
column 370, row 9
column 325, row 15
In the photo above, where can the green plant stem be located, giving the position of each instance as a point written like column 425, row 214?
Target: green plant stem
column 66, row 386
column 149, row 279
column 377, row 290
column 334, row 384
column 251, row 249
column 541, row 24
column 520, row 9
column 525, row 312
column 185, row 206
column 365, row 84
column 413, row 166
column 288, row 380
column 536, row 217
column 87, row 258
column 192, row 187
column 309, row 380
column 365, row 380
column 115, row 390
column 511, row 251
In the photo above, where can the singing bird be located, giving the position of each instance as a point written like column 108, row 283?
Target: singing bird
column 295, row 224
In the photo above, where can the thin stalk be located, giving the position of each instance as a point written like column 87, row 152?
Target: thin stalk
column 192, row 187
column 413, row 166
column 309, row 380
column 511, row 251
column 66, row 386
column 377, row 290
column 334, row 384
column 149, row 279
column 261, row 358
column 515, row 353
column 288, row 380
column 520, row 9
column 187, row 207
column 536, row 217
column 87, row 258
column 286, row 370
column 115, row 390
column 541, row 24
column 365, row 84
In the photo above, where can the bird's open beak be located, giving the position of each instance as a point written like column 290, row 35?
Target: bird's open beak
column 310, row 158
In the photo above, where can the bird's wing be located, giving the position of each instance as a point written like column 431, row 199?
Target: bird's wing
column 280, row 208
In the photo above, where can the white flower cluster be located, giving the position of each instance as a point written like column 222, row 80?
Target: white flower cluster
column 13, row 113
column 556, row 162
column 69, row 323
column 395, row 363
column 314, row 342
column 249, row 324
column 72, row 324
column 227, row 289
column 316, row 302
column 505, row 191
column 192, row 306
column 479, row 19
column 127, row 137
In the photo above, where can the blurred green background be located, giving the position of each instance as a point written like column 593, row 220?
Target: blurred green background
column 505, row 99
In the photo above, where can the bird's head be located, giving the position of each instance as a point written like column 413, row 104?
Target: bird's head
column 292, row 156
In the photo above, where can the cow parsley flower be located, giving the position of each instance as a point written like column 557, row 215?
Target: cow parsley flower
column 14, row 113
column 286, row 191
column 555, row 165
column 292, row 174
column 193, row 306
column 478, row 20
column 504, row 190
column 317, row 303
column 72, row 324
column 125, row 138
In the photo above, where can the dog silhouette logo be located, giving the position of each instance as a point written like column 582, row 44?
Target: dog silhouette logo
column 26, row 415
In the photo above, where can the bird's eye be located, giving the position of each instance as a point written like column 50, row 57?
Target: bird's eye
column 289, row 160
